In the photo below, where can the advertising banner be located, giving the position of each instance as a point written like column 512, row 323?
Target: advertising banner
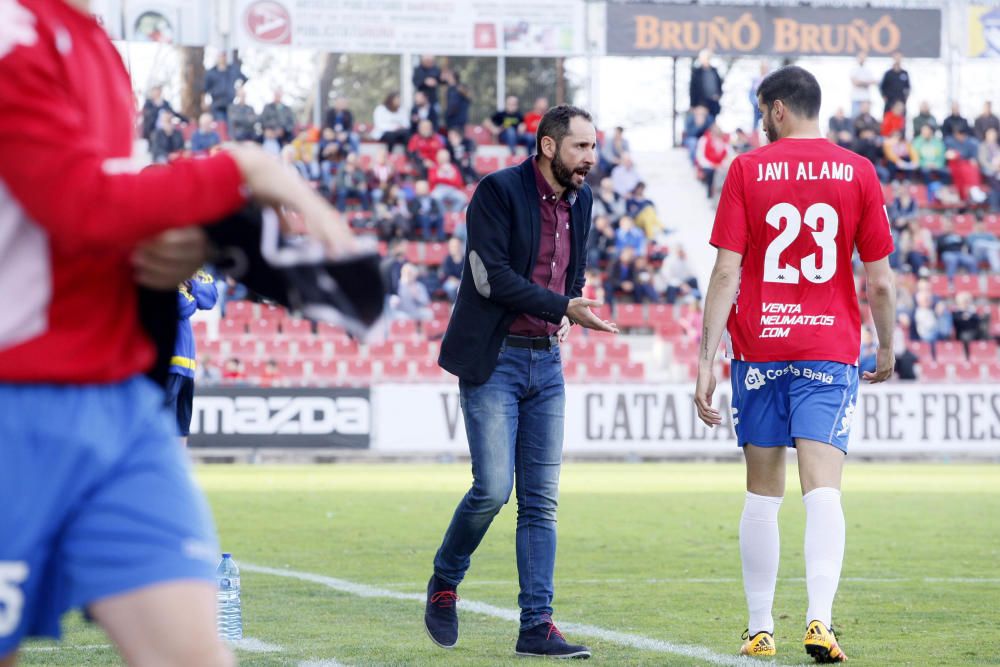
column 660, row 420
column 443, row 27
column 185, row 22
column 281, row 417
column 109, row 14
column 684, row 30
column 984, row 31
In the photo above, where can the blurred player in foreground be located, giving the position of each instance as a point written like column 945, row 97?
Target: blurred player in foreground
column 196, row 293
column 791, row 215
column 97, row 506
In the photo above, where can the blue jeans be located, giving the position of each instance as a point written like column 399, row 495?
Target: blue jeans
column 514, row 422
column 952, row 260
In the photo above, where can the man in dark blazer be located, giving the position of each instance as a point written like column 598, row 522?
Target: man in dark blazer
column 520, row 291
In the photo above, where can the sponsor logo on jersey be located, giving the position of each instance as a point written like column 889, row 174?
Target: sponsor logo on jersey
column 754, row 379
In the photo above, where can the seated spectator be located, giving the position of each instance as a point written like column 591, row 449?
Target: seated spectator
column 962, row 154
column 953, row 251
column 271, row 375
column 926, row 316
column 899, row 157
column 643, row 291
column 612, row 149
column 692, row 321
column 392, row 214
column 351, row 182
column 207, row 373
column 987, row 120
column 713, row 155
column 620, row 277
column 920, row 248
column 233, row 371
column 426, row 213
column 984, row 245
column 924, row 118
column 593, row 288
column 271, row 141
column 869, row 351
column 463, row 154
column 340, row 119
column 412, row 302
column 643, row 212
column 628, row 236
column 306, row 146
column 392, row 264
column 422, row 110
column 165, row 140
column 446, row 183
column 507, row 125
column 601, row 241
column 458, row 99
column 903, row 208
column 989, row 165
column 533, row 118
column 953, row 122
column 905, row 360
column 424, row 146
column 929, row 151
column 624, row 177
column 841, row 129
column 894, row 119
column 866, row 121
column 696, row 123
column 330, row 153
column 381, row 176
column 242, row 119
column 450, row 271
column 740, row 142
column 390, row 123
column 289, row 157
column 279, row 117
column 966, row 321
column 153, row 108
column 676, row 279
column 607, row 202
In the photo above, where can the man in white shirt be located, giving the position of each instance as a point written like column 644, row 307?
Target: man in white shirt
column 862, row 79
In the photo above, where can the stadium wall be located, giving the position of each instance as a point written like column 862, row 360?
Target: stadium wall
column 623, row 421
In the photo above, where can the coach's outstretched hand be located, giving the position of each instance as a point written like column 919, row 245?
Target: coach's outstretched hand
column 703, row 392
column 578, row 311
column 272, row 184
column 885, row 364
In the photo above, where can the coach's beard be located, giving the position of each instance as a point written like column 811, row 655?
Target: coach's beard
column 564, row 175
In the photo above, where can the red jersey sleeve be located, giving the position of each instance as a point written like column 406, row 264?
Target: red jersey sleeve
column 53, row 165
column 730, row 228
column 874, row 236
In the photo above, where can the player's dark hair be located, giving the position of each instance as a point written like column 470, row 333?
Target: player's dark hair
column 795, row 87
column 555, row 124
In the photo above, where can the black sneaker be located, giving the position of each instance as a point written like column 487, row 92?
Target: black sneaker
column 441, row 615
column 545, row 641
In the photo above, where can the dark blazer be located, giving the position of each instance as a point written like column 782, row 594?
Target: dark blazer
column 504, row 227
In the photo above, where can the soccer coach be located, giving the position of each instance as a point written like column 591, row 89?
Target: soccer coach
column 520, row 292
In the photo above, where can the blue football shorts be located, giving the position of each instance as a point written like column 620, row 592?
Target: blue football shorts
column 777, row 401
column 96, row 499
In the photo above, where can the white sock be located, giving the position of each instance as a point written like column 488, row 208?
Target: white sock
column 824, row 549
column 759, row 552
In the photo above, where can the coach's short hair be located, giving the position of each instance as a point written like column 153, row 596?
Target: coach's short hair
column 795, row 87
column 555, row 124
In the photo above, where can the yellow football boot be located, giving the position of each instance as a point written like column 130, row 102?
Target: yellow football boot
column 821, row 644
column 761, row 644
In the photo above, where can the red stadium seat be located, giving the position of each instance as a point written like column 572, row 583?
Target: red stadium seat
column 382, row 351
column 326, row 369
column 328, row 331
column 313, row 348
column 963, row 223
column 435, row 253
column 209, row 348
column 229, row 328
column 632, row 372
column 968, row 283
column 939, row 286
column 263, row 327
column 583, row 350
column 630, row 316
column 919, row 193
column 296, row 327
column 486, row 164
column 452, row 220
column 992, row 370
column 359, row 369
column 992, row 223
column 983, row 351
column 255, row 369
column 244, row 347
column 291, row 369
column 660, row 313
column 598, row 371
column 480, row 135
column 572, row 370
column 396, row 369
column 949, row 352
column 920, row 349
column 428, row 369
column 345, row 347
column 277, row 348
column 402, row 329
column 435, row 329
column 200, row 329
column 415, row 253
column 933, row 222
column 669, row 329
column 441, row 309
column 993, row 286
column 685, row 351
column 416, row 349
column 616, row 351
column 967, row 371
column 931, row 371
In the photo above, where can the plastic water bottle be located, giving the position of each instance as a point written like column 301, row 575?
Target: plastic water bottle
column 229, row 615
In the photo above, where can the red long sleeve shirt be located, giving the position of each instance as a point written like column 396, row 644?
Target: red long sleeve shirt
column 70, row 216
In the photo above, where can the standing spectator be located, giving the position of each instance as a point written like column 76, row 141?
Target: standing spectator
column 868, row 145
column 340, row 119
column 841, row 129
column 412, row 302
column 352, row 182
column 279, row 117
column 985, row 246
column 894, row 120
column 242, row 118
column 463, row 153
column 630, row 236
column 425, row 212
column 196, row 293
column 220, row 85
column 165, row 140
column 862, row 79
column 422, row 109
column 765, row 68
column 456, row 113
column 864, row 120
column 507, row 124
column 895, row 86
column 205, row 137
column 427, row 80
column 624, row 176
column 392, row 215
column 966, row 322
column 696, row 123
column 929, row 151
column 151, row 109
column 607, row 202
column 955, row 121
column 706, row 85
column 989, row 164
column 446, row 184
column 925, row 117
column 953, row 251
column 612, row 150
column 985, row 121
column 424, row 146
column 450, row 271
column 713, row 154
column 390, row 124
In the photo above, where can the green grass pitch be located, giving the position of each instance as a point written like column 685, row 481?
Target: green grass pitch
column 648, row 549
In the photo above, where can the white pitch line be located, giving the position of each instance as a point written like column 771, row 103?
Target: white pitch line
column 720, row 580
column 621, row 638
column 254, row 645
column 65, row 647
column 322, row 663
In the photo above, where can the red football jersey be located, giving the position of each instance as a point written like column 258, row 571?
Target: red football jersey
column 796, row 210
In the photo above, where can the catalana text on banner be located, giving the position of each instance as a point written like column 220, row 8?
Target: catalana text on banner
column 684, row 30
column 281, row 417
column 659, row 420
column 443, row 27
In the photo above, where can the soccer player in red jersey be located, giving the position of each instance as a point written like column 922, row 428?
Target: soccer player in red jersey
column 791, row 215
column 97, row 506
